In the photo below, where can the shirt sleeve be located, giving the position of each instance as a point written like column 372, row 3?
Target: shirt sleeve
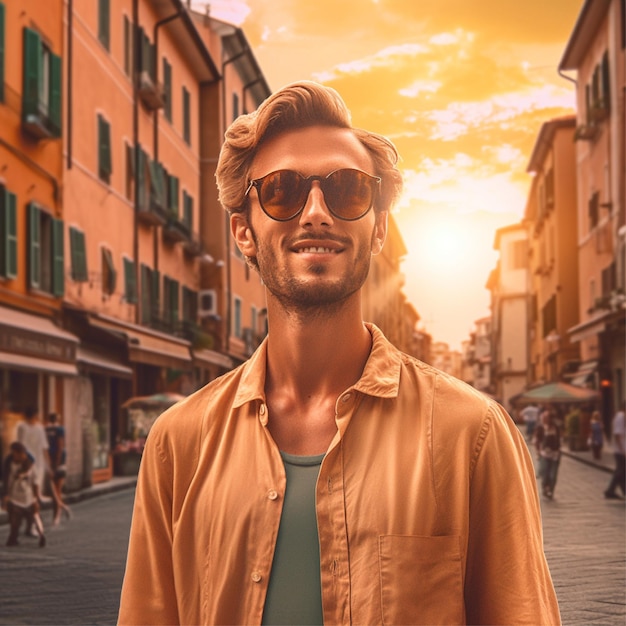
column 507, row 576
column 148, row 594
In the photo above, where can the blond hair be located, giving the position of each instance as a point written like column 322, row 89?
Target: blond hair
column 296, row 106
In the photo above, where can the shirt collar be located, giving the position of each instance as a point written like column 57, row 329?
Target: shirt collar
column 381, row 376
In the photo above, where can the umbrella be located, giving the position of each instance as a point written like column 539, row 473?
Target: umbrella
column 559, row 393
column 155, row 401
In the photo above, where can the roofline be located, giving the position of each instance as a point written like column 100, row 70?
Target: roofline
column 545, row 137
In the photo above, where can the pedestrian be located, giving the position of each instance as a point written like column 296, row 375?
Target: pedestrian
column 32, row 434
column 58, row 470
column 330, row 478
column 596, row 435
column 530, row 414
column 21, row 493
column 619, row 474
column 548, row 446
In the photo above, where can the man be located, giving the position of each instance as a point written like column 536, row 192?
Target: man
column 330, row 479
column 530, row 415
column 619, row 474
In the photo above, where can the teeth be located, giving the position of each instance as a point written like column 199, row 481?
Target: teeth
column 315, row 249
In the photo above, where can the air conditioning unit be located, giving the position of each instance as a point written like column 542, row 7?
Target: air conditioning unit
column 207, row 302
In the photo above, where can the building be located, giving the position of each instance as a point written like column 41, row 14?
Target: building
column 550, row 218
column 37, row 356
column 596, row 53
column 508, row 285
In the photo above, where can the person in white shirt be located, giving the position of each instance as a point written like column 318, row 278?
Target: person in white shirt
column 530, row 414
column 619, row 475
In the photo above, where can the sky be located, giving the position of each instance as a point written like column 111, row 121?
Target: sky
column 461, row 87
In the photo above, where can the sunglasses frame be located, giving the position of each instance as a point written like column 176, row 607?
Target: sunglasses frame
column 257, row 182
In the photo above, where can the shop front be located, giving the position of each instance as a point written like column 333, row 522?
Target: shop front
column 37, row 358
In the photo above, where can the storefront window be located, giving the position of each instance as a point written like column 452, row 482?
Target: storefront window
column 101, row 422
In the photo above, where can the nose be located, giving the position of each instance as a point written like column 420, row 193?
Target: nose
column 315, row 212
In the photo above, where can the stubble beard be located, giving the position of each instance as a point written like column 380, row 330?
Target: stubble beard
column 311, row 297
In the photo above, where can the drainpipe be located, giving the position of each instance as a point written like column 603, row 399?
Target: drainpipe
column 136, row 158
column 70, row 25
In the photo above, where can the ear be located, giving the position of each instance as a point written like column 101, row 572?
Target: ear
column 240, row 229
column 380, row 232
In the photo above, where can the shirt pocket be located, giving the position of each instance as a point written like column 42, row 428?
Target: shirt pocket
column 421, row 580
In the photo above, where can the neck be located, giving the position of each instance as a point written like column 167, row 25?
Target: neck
column 316, row 352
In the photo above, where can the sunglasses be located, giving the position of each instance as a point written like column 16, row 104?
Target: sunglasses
column 348, row 193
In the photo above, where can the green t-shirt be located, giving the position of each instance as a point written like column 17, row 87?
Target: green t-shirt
column 294, row 595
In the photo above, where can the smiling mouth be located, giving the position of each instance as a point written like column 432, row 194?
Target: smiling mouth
column 316, row 250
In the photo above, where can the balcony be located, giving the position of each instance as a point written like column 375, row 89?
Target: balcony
column 151, row 212
column 175, row 230
column 150, row 92
column 586, row 132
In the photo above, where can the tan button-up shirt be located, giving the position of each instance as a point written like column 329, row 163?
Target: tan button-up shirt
column 426, row 503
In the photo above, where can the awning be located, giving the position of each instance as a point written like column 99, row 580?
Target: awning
column 102, row 364
column 35, row 364
column 35, row 343
column 211, row 357
column 146, row 346
column 589, row 328
column 585, row 374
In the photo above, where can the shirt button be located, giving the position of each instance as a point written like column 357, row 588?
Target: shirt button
column 262, row 409
column 346, row 398
column 272, row 494
column 256, row 577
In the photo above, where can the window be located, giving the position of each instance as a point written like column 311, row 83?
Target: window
column 172, row 196
column 189, row 304
column 41, row 106
column 253, row 319
column 186, row 116
column 78, row 255
column 150, row 295
column 235, row 106
column 130, row 281
column 145, row 61
column 549, row 183
column 167, row 90
column 8, row 233
column 171, row 290
column 128, row 46
column 187, row 211
column 130, row 171
column 549, row 316
column 104, row 17
column 2, row 20
column 104, row 150
column 45, row 251
column 237, row 330
column 594, row 209
column 157, row 184
column 109, row 275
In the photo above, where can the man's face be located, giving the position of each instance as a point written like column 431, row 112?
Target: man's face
column 315, row 259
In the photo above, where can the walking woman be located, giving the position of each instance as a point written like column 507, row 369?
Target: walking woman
column 548, row 445
column 56, row 450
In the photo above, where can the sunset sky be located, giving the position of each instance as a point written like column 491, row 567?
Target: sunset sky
column 461, row 87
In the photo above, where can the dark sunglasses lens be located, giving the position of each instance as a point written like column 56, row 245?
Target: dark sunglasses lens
column 282, row 194
column 349, row 193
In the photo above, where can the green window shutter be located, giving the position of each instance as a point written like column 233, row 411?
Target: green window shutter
column 78, row 254
column 34, row 256
column 104, row 23
column 167, row 89
column 173, row 304
column 157, row 182
column 146, row 279
column 155, row 293
column 173, row 195
column 8, row 234
column 188, row 211
column 55, row 94
column 140, row 186
column 606, row 80
column 2, row 22
column 186, row 116
column 130, row 281
column 32, row 73
column 104, row 149
column 58, row 258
